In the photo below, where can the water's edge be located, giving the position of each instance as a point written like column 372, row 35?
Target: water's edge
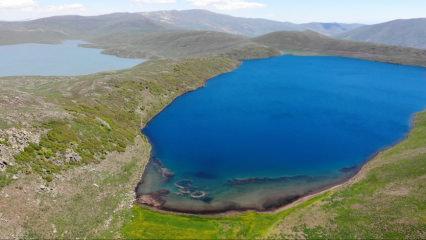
column 356, row 174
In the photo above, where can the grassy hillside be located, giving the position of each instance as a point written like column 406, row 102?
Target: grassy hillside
column 309, row 42
column 404, row 32
column 76, row 154
column 181, row 44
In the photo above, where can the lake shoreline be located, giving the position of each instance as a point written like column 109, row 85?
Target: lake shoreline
column 360, row 173
column 345, row 181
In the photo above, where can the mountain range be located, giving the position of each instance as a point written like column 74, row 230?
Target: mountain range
column 200, row 20
column 406, row 33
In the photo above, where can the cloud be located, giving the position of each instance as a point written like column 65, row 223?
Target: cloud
column 153, row 1
column 76, row 7
column 30, row 9
column 17, row 4
column 226, row 5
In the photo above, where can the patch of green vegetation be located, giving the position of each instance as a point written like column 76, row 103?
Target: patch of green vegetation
column 6, row 177
column 4, row 142
column 148, row 224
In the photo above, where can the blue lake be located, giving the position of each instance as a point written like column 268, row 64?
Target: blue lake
column 277, row 129
column 57, row 60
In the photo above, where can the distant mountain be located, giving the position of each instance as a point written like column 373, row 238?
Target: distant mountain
column 87, row 28
column 331, row 29
column 210, row 21
column 205, row 20
column 407, row 33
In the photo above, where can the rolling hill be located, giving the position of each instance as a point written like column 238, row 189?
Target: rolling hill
column 407, row 33
column 181, row 44
column 310, row 42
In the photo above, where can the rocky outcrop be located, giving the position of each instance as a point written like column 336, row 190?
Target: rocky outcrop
column 14, row 141
column 3, row 165
column 103, row 123
column 71, row 156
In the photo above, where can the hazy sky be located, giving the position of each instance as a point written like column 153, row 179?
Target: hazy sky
column 360, row 11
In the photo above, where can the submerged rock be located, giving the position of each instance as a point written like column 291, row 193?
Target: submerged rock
column 184, row 184
column 242, row 181
column 166, row 173
column 198, row 194
column 185, row 187
column 154, row 199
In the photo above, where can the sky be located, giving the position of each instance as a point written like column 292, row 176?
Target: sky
column 297, row 11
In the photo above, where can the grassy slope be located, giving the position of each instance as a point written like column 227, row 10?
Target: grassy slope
column 91, row 197
column 181, row 44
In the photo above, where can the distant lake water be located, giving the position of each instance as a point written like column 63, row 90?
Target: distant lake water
column 57, row 60
column 277, row 129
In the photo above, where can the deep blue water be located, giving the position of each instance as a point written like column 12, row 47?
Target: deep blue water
column 297, row 121
column 57, row 60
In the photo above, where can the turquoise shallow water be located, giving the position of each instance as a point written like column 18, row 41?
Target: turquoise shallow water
column 277, row 129
column 57, row 60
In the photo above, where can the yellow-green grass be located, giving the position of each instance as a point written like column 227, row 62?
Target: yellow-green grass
column 149, row 224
